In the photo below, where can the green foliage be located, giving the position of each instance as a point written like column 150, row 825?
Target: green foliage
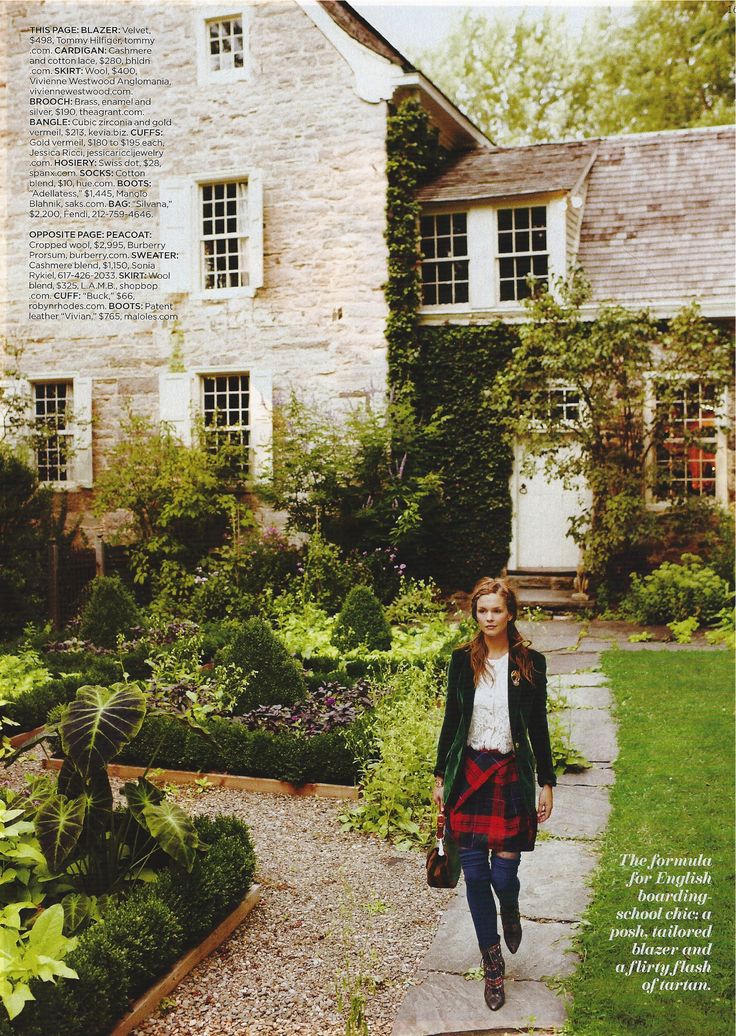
column 609, row 362
column 469, row 532
column 696, row 525
column 397, row 776
column 277, row 679
column 233, row 748
column 142, row 935
column 21, row 674
column 724, row 632
column 25, row 516
column 31, row 953
column 353, row 478
column 676, row 592
column 109, row 610
column 417, row 599
column 362, row 623
column 657, row 66
column 683, row 630
column 179, row 499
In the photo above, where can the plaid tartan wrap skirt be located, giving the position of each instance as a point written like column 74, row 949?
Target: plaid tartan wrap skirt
column 488, row 810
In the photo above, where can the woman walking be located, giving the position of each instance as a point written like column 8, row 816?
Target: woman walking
column 484, row 778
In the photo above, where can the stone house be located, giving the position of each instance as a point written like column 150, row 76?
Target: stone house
column 284, row 138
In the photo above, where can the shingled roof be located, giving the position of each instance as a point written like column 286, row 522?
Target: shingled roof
column 658, row 220
column 505, row 172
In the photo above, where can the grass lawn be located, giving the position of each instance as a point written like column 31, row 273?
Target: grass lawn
column 674, row 796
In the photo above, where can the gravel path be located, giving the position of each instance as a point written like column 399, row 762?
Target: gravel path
column 334, row 905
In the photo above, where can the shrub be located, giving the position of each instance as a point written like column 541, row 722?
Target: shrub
column 110, row 610
column 277, row 678
column 674, row 592
column 21, row 673
column 417, row 599
column 142, row 935
column 362, row 622
column 233, row 748
column 31, row 708
column 25, row 514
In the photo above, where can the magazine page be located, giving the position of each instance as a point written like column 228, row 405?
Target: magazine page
column 366, row 518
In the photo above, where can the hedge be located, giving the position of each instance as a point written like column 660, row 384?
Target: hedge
column 141, row 937
column 233, row 748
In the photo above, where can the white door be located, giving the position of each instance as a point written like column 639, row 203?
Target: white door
column 542, row 507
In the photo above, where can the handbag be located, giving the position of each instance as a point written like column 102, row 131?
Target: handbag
column 443, row 861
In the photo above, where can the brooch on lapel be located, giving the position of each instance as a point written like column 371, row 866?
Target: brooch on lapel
column 515, row 677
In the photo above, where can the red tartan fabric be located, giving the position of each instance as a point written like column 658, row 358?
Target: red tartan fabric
column 489, row 807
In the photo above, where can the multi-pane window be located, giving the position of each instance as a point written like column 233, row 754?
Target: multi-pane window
column 52, row 413
column 444, row 258
column 224, row 43
column 564, row 405
column 224, row 236
column 226, row 411
column 686, row 457
column 522, row 250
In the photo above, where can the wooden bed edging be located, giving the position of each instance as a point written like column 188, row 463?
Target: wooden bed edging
column 145, row 1005
column 228, row 780
column 20, row 739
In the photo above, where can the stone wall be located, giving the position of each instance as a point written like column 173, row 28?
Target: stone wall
column 317, row 323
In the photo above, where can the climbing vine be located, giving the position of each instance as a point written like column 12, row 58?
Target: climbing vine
column 445, row 373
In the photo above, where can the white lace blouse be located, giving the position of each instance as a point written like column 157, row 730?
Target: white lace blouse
column 490, row 726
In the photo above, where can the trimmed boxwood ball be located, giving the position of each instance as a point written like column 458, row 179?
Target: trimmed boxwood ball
column 278, row 679
column 362, row 623
column 110, row 609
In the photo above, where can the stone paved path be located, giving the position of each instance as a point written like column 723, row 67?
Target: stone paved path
column 554, row 878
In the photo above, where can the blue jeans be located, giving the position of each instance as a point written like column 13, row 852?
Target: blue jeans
column 481, row 875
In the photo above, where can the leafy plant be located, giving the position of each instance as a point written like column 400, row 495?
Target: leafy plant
column 683, row 630
column 22, row 673
column 276, row 679
column 28, row 953
column 79, row 831
column 110, row 610
column 675, row 592
column 640, row 638
column 362, row 622
column 417, row 599
column 723, row 631
column 328, row 708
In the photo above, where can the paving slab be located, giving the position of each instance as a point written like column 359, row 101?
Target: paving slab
column 453, row 1006
column 551, row 635
column 544, row 951
column 592, row 732
column 594, row 776
column 553, row 880
column 587, row 697
column 565, row 680
column 579, row 812
column 571, row 661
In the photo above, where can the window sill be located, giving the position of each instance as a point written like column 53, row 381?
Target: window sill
column 218, row 294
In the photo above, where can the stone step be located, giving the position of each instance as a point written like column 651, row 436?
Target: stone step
column 556, row 601
column 543, row 578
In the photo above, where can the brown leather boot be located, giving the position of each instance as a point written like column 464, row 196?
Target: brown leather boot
column 511, row 921
column 494, row 970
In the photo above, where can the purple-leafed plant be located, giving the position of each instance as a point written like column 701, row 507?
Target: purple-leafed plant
column 329, row 708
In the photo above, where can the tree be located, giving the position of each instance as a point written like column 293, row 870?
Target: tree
column 612, row 366
column 514, row 79
column 178, row 499
column 661, row 66
column 668, row 66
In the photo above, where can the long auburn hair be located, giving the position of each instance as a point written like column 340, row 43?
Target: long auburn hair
column 519, row 656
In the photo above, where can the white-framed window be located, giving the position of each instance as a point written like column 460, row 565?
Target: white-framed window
column 233, row 403
column 223, row 237
column 226, row 412
column 211, row 226
column 564, row 405
column 59, row 408
column 522, row 250
column 52, row 419
column 687, row 456
column 222, row 35
column 445, row 258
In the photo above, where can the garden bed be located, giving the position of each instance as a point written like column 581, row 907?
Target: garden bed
column 227, row 780
column 147, row 1004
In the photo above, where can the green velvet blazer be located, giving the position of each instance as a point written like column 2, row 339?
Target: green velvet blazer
column 527, row 713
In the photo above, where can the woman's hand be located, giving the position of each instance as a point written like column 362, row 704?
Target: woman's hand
column 544, row 806
column 438, row 794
